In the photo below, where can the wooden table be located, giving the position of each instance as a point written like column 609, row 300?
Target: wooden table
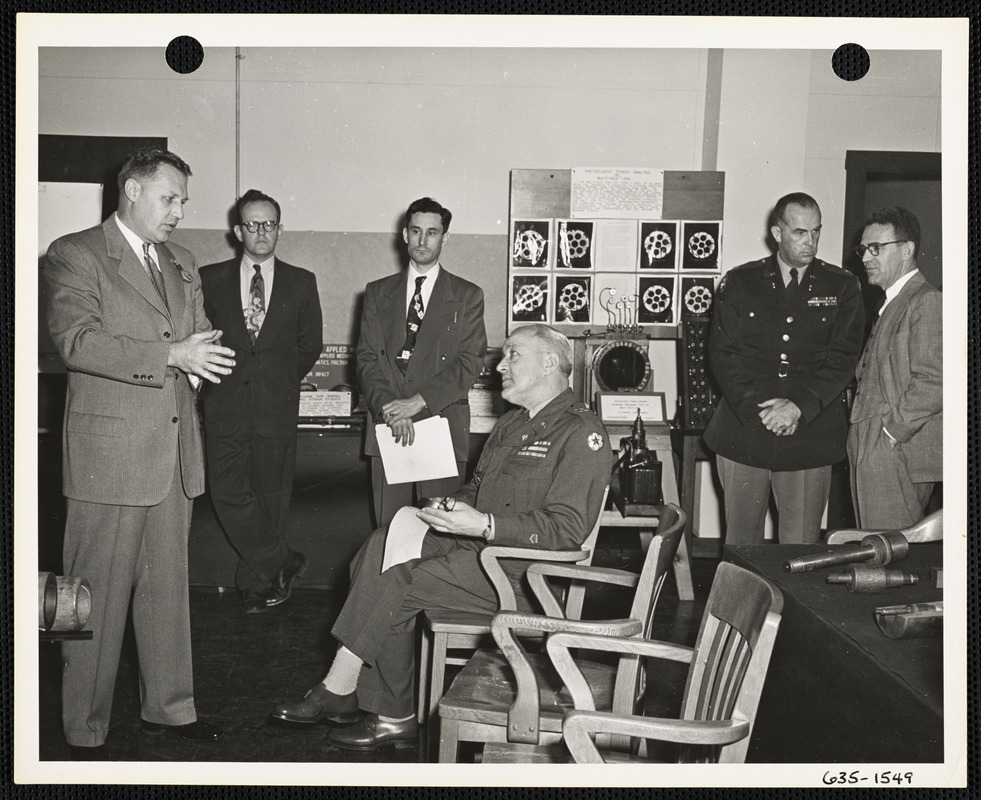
column 837, row 689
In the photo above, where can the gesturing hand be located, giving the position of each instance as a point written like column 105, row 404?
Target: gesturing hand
column 199, row 355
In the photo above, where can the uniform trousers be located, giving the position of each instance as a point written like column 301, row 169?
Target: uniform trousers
column 377, row 622
column 250, row 480
column 123, row 551
column 884, row 493
column 390, row 497
column 801, row 496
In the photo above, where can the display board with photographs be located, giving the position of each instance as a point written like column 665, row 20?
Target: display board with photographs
column 590, row 269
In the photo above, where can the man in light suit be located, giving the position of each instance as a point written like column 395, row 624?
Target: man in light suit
column 125, row 311
column 270, row 313
column 414, row 364
column 895, row 444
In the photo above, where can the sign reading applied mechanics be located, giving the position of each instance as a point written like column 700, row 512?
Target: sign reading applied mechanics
column 334, row 368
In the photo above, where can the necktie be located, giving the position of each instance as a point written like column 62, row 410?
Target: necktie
column 255, row 314
column 155, row 275
column 793, row 287
column 413, row 319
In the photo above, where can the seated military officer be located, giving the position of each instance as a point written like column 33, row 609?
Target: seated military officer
column 539, row 483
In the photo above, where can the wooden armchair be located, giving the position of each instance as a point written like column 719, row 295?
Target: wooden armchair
column 517, row 696
column 928, row 529
column 728, row 666
column 444, row 630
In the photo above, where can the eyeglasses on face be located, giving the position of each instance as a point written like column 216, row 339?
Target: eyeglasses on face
column 873, row 247
column 268, row 226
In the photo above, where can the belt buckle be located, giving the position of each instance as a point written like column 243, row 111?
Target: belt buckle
column 784, row 369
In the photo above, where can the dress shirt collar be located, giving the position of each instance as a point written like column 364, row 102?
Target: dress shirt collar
column 785, row 271
column 896, row 288
column 136, row 242
column 427, row 285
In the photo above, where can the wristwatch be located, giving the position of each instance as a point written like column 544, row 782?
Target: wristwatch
column 488, row 532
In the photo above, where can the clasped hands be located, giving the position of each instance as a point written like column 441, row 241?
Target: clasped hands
column 398, row 414
column 780, row 416
column 448, row 515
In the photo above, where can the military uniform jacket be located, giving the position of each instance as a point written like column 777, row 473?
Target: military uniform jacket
column 763, row 345
column 543, row 478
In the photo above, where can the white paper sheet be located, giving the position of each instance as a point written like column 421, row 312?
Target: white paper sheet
column 403, row 542
column 429, row 457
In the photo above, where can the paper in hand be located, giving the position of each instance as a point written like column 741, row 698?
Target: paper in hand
column 429, row 457
column 403, row 542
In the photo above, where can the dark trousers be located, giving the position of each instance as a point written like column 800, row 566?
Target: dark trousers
column 390, row 497
column 250, row 480
column 378, row 620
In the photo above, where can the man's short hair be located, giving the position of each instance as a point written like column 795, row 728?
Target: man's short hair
column 555, row 341
column 255, row 196
column 792, row 199
column 426, row 205
column 903, row 221
column 143, row 164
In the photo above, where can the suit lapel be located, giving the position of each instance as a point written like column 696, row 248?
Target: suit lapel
column 130, row 267
column 395, row 325
column 177, row 289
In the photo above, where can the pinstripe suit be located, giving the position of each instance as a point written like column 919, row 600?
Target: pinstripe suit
column 132, row 461
column 900, row 388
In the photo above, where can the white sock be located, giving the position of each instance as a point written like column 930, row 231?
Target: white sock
column 343, row 675
column 393, row 719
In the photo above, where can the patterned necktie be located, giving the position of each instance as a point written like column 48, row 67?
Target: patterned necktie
column 413, row 320
column 155, row 277
column 255, row 314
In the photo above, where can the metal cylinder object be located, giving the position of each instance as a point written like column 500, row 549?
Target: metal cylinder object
column 911, row 621
column 68, row 608
column 876, row 549
column 47, row 600
column 863, row 578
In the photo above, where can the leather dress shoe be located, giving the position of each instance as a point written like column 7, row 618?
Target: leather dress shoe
column 97, row 753
column 371, row 733
column 253, row 602
column 192, row 732
column 282, row 582
column 320, row 705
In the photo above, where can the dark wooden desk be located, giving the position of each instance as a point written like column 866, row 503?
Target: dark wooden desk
column 837, row 689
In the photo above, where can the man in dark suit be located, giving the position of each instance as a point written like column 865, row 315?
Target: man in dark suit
column 422, row 345
column 786, row 334
column 895, row 444
column 270, row 313
column 539, row 483
column 126, row 313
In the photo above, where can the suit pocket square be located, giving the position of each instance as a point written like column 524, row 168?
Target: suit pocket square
column 96, row 424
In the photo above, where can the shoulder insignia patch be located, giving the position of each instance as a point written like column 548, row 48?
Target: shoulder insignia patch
column 595, row 441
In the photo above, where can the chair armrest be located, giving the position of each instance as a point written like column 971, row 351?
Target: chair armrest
column 525, row 623
column 558, row 645
column 543, row 591
column 495, row 572
column 579, row 727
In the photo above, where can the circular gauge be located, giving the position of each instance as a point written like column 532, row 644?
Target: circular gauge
column 622, row 367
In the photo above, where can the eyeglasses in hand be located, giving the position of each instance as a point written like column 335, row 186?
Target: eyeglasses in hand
column 873, row 247
column 268, row 226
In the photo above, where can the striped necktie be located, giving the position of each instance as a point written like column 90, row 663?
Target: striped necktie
column 155, row 276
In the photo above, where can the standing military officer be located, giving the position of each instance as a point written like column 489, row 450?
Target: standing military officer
column 786, row 336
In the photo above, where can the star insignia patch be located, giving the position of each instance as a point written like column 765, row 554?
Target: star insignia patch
column 595, row 441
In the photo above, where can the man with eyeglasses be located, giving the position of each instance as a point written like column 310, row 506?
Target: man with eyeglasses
column 270, row 314
column 786, row 335
column 895, row 444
